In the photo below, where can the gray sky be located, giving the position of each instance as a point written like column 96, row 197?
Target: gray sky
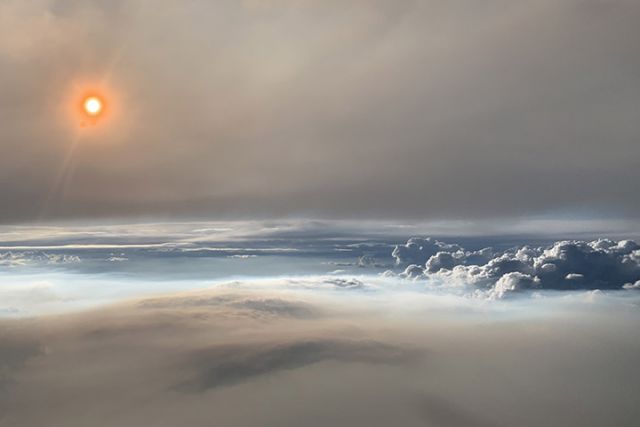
column 358, row 109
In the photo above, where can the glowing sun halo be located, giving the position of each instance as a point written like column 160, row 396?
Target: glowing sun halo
column 92, row 105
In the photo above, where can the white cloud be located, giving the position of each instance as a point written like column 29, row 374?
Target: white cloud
column 564, row 265
column 22, row 258
column 632, row 285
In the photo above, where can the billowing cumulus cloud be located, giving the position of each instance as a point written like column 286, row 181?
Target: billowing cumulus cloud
column 422, row 109
column 564, row 265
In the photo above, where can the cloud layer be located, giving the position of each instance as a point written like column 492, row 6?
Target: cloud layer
column 227, row 356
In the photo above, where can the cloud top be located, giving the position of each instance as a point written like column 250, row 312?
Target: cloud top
column 214, row 357
column 564, row 265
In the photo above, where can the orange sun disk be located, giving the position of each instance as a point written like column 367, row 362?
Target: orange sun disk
column 91, row 108
column 93, row 105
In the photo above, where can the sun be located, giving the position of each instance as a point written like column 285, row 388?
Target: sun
column 93, row 106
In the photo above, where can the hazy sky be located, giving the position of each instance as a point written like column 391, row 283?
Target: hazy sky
column 383, row 108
